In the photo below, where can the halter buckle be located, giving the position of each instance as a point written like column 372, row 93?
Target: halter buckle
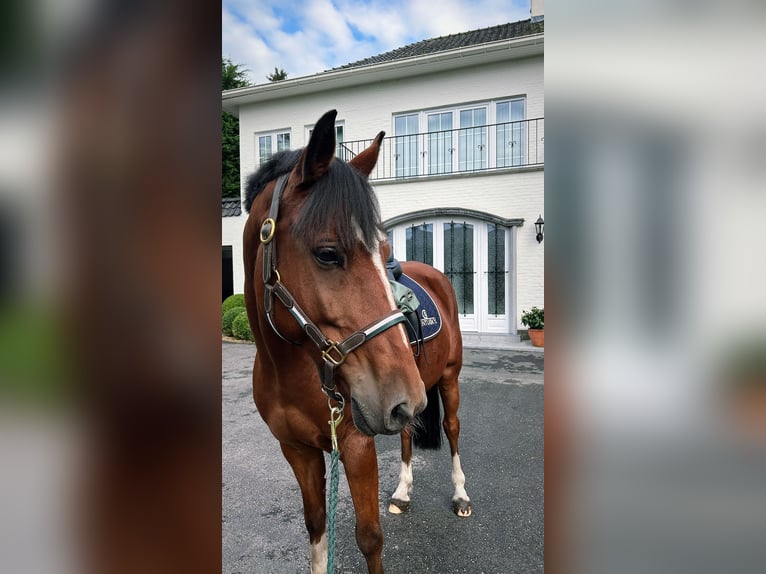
column 268, row 229
column 327, row 354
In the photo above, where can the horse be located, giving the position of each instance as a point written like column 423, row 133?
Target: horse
column 328, row 332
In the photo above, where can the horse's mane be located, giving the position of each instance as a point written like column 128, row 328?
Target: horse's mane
column 280, row 163
column 342, row 197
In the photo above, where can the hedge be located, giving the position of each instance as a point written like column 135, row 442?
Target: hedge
column 228, row 319
column 240, row 328
column 236, row 300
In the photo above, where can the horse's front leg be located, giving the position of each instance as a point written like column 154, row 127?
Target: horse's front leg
column 361, row 465
column 309, row 468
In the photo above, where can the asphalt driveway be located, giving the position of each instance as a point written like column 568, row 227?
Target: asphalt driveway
column 501, row 449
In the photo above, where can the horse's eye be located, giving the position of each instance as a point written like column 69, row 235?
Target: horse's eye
column 328, row 257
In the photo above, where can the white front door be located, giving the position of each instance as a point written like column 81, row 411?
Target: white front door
column 475, row 255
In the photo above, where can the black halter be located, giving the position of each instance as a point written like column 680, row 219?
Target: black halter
column 333, row 353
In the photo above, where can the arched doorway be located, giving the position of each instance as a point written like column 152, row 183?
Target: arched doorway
column 476, row 250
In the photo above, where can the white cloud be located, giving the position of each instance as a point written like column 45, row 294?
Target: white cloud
column 306, row 37
column 242, row 46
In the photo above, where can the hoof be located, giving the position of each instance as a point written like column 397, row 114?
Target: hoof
column 398, row 506
column 462, row 507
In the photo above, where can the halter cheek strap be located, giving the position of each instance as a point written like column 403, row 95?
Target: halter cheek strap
column 333, row 353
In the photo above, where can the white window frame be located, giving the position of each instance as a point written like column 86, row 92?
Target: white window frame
column 480, row 321
column 423, row 165
column 522, row 130
column 273, row 138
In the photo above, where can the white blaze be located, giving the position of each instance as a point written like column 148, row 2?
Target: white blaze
column 377, row 260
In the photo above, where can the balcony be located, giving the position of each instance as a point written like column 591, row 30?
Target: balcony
column 489, row 148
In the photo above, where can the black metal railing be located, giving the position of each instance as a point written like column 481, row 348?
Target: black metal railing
column 463, row 150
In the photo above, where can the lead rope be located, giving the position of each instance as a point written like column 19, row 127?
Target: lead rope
column 336, row 415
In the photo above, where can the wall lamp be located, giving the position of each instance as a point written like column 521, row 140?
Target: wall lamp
column 539, row 228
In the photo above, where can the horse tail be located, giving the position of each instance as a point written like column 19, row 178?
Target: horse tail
column 427, row 428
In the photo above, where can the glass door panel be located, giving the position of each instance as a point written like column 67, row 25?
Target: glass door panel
column 440, row 143
column 459, row 263
column 420, row 243
column 406, row 145
column 472, row 139
column 511, row 134
column 495, row 269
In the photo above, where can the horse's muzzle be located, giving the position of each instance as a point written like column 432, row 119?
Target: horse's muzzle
column 360, row 420
column 392, row 421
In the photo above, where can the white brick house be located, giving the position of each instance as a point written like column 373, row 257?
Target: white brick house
column 460, row 176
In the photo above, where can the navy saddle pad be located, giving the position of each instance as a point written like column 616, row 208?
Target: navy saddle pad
column 427, row 311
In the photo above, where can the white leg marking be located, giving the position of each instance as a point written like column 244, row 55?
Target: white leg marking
column 404, row 488
column 458, row 479
column 405, row 482
column 319, row 556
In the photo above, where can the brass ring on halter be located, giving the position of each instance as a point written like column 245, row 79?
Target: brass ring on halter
column 279, row 279
column 267, row 234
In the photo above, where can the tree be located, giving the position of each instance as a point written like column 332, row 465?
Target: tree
column 279, row 74
column 232, row 76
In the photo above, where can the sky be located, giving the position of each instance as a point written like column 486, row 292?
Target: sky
column 305, row 37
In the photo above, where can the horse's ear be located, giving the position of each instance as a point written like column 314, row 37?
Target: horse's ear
column 317, row 156
column 367, row 159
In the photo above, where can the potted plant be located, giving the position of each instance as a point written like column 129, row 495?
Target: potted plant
column 742, row 375
column 534, row 321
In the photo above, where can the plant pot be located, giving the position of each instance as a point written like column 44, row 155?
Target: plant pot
column 537, row 336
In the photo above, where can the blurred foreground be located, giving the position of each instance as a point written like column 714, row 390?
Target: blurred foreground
column 109, row 290
column 656, row 252
column 109, row 287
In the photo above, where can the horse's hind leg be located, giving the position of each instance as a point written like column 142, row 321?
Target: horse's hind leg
column 361, row 464
column 309, row 468
column 450, row 394
column 400, row 499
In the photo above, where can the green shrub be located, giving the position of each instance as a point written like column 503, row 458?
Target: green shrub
column 236, row 300
column 228, row 319
column 240, row 328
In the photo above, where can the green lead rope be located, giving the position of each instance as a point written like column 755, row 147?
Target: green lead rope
column 331, row 512
column 336, row 415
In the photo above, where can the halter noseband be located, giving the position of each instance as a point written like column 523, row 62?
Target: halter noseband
column 333, row 353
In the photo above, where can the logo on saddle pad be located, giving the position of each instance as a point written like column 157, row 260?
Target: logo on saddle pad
column 425, row 320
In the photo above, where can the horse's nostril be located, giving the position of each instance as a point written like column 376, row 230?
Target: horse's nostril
column 401, row 414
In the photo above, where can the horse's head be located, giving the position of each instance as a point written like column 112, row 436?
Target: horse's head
column 330, row 252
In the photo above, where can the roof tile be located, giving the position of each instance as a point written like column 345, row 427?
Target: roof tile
column 230, row 206
column 454, row 41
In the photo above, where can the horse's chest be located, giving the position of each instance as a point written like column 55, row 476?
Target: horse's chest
column 288, row 423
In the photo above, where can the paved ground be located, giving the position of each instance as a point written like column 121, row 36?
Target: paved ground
column 501, row 415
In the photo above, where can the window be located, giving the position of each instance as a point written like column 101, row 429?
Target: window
column 496, row 269
column 472, row 147
column 440, row 143
column 511, row 134
column 341, row 151
column 406, row 145
column 420, row 243
column 458, row 263
column 270, row 143
column 480, row 136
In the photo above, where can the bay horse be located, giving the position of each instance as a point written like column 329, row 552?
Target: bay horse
column 328, row 331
